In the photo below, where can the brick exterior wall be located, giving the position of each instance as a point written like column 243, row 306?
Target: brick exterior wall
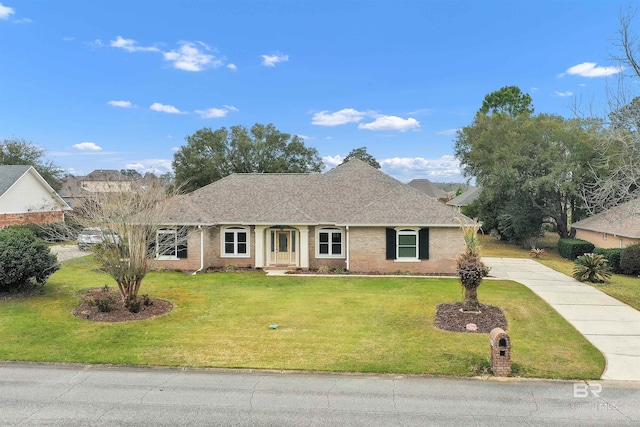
column 368, row 251
column 7, row 220
column 604, row 240
column 316, row 263
column 500, row 354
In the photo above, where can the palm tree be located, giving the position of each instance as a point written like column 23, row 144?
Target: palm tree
column 469, row 266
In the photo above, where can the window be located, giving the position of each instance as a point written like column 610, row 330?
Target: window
column 235, row 242
column 171, row 244
column 330, row 243
column 407, row 244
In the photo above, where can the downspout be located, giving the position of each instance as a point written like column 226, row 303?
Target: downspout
column 201, row 251
column 347, row 249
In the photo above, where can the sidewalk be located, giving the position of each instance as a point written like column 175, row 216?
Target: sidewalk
column 610, row 325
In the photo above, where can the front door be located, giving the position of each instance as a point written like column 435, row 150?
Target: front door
column 283, row 247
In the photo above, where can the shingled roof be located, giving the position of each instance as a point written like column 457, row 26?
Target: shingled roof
column 428, row 188
column 622, row 220
column 9, row 174
column 469, row 196
column 353, row 193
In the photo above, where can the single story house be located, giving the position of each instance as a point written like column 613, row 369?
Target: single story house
column 353, row 217
column 26, row 198
column 429, row 188
column 617, row 227
column 467, row 197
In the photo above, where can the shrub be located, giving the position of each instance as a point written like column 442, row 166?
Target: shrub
column 591, row 267
column 537, row 252
column 613, row 257
column 105, row 303
column 573, row 248
column 630, row 260
column 24, row 259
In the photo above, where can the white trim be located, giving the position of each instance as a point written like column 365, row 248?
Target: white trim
column 330, row 230
column 235, row 230
column 167, row 231
column 407, row 231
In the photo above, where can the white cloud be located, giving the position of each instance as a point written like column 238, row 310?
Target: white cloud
column 232, row 67
column 130, row 45
column 590, row 69
column 87, row 146
column 448, row 131
column 446, row 168
column 162, row 108
column 212, row 113
column 344, row 116
column 332, row 161
column 157, row 166
column 563, row 94
column 22, row 21
column 303, row 136
column 230, row 108
column 190, row 57
column 5, row 11
column 391, row 123
column 175, row 148
column 68, row 38
column 272, row 60
column 121, row 104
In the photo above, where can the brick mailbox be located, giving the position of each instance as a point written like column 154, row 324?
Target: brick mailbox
column 500, row 352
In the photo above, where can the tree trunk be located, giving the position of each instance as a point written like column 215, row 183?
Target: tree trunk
column 471, row 302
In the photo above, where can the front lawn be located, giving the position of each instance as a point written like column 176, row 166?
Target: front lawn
column 356, row 324
column 623, row 288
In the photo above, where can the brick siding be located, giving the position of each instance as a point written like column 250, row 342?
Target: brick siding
column 7, row 220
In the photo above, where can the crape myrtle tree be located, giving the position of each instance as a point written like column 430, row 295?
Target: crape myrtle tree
column 532, row 168
column 210, row 155
column 19, row 151
column 616, row 172
column 129, row 221
column 361, row 153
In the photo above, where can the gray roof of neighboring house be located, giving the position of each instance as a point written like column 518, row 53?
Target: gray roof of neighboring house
column 105, row 175
column 428, row 188
column 9, row 174
column 71, row 186
column 622, row 220
column 353, row 193
column 466, row 198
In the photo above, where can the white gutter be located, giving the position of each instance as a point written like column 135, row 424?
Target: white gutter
column 347, row 249
column 201, row 251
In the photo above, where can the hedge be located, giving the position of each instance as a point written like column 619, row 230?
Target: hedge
column 573, row 248
column 613, row 257
column 630, row 260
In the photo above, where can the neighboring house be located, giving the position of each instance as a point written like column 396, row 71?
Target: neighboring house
column 614, row 228
column 469, row 196
column 429, row 188
column 25, row 197
column 75, row 189
column 353, row 217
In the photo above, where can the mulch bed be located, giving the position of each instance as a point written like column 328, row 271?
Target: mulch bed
column 449, row 317
column 88, row 311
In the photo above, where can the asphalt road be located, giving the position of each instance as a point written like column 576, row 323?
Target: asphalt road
column 79, row 395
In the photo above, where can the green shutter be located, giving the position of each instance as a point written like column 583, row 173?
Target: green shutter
column 391, row 243
column 424, row 243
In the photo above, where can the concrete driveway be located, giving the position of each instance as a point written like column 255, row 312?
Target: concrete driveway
column 67, row 252
column 610, row 325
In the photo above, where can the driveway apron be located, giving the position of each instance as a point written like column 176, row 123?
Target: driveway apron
column 610, row 325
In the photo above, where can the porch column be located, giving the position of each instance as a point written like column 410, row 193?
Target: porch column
column 259, row 245
column 304, row 246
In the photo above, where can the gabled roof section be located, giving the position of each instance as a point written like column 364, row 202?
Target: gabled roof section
column 105, row 175
column 622, row 220
column 353, row 193
column 9, row 174
column 427, row 187
column 466, row 198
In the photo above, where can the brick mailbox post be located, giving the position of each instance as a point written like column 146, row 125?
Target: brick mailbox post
column 500, row 352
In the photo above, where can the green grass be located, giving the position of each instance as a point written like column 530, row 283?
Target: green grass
column 326, row 324
column 623, row 288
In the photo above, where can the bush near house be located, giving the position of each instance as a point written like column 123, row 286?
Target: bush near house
column 612, row 255
column 592, row 268
column 573, row 248
column 24, row 260
column 630, row 260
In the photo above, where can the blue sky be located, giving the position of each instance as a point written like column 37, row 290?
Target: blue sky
column 119, row 84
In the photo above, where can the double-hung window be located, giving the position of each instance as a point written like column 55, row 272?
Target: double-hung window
column 330, row 243
column 235, row 242
column 170, row 244
column 407, row 244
